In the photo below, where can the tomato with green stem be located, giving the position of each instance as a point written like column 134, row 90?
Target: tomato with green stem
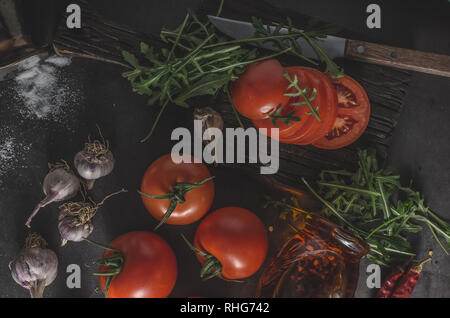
column 137, row 265
column 177, row 193
column 230, row 243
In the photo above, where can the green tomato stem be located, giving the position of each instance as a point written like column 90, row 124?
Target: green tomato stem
column 175, row 196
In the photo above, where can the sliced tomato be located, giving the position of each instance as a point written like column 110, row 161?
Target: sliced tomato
column 353, row 115
column 292, row 127
column 308, row 127
column 326, row 99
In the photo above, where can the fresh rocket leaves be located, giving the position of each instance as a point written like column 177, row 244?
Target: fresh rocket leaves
column 303, row 93
column 193, row 66
column 371, row 203
column 208, row 85
column 287, row 119
column 199, row 61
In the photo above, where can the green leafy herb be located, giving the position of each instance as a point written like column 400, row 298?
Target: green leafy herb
column 304, row 93
column 198, row 61
column 287, row 119
column 372, row 204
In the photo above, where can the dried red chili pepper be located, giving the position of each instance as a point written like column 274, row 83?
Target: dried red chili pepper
column 400, row 284
column 409, row 280
column 389, row 284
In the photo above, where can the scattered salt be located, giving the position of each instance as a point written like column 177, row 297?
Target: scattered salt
column 6, row 150
column 37, row 85
column 29, row 62
column 58, row 60
column 41, row 92
column 12, row 154
column 26, row 75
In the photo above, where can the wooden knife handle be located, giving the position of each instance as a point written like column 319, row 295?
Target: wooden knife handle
column 397, row 57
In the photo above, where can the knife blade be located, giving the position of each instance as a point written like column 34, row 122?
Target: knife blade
column 334, row 46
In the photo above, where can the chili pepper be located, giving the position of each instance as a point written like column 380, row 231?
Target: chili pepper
column 391, row 281
column 409, row 280
column 389, row 284
column 400, row 283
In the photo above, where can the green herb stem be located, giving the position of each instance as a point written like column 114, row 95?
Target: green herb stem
column 302, row 92
column 183, row 25
column 155, row 123
column 383, row 225
column 251, row 61
column 328, row 205
column 353, row 189
column 386, row 209
column 236, row 114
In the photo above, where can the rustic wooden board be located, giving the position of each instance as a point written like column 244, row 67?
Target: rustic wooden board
column 104, row 40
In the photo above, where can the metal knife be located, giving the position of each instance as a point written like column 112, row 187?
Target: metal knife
column 413, row 60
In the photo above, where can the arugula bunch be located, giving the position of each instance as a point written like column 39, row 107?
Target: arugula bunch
column 372, row 204
column 200, row 61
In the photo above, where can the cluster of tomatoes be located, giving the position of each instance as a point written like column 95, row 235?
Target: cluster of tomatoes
column 330, row 113
column 230, row 243
column 307, row 106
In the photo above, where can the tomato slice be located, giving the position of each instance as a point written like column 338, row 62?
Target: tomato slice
column 326, row 99
column 353, row 115
column 310, row 123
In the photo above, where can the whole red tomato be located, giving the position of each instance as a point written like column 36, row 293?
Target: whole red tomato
column 162, row 177
column 236, row 238
column 260, row 89
column 149, row 269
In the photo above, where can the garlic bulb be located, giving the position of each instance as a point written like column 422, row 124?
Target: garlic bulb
column 75, row 219
column 60, row 184
column 94, row 161
column 35, row 267
column 210, row 119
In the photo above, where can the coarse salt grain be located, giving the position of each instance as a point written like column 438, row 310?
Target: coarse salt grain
column 12, row 154
column 41, row 91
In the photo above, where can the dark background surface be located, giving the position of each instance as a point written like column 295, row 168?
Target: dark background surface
column 420, row 147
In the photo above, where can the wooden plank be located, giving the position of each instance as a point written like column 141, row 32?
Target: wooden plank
column 104, row 40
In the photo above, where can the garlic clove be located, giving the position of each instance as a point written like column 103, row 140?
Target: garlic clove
column 58, row 185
